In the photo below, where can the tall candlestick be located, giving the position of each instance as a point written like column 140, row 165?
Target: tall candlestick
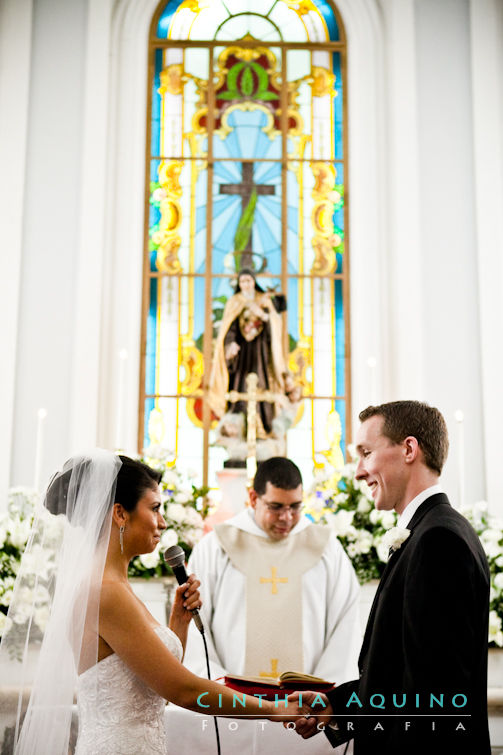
column 123, row 355
column 372, row 364
column 39, row 447
column 460, row 417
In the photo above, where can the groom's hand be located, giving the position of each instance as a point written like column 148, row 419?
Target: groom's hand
column 317, row 713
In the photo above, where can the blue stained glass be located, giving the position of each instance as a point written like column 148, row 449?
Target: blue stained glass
column 149, row 405
column 293, row 219
column 292, row 304
column 151, row 339
column 155, row 142
column 200, row 218
column 340, row 342
column 340, row 408
column 338, row 108
column 166, row 18
column 328, row 14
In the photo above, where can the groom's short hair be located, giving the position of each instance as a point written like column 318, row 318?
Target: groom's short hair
column 424, row 422
column 280, row 472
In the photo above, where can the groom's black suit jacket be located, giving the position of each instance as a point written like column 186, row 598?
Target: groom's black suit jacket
column 426, row 634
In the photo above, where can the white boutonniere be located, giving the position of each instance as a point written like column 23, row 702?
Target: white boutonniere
column 394, row 538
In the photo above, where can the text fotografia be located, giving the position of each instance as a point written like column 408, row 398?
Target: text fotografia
column 377, row 701
column 455, row 726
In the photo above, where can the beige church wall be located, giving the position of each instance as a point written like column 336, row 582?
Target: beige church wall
column 412, row 184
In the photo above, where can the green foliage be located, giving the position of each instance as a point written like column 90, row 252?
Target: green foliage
column 245, row 225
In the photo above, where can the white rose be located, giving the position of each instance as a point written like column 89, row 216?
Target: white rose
column 18, row 532
column 5, row 623
column 193, row 517
column 352, row 550
column 183, row 497
column 193, row 535
column 494, row 624
column 169, row 538
column 6, row 598
column 39, row 562
column 498, row 581
column 499, row 562
column 341, row 522
column 382, row 551
column 41, row 616
column 150, row 560
column 364, row 541
column 395, row 537
column 388, row 519
column 364, row 505
column 22, row 613
column 375, row 516
column 176, row 512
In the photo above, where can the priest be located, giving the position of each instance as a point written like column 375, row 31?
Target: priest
column 279, row 592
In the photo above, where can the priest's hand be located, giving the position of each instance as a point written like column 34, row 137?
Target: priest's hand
column 316, row 712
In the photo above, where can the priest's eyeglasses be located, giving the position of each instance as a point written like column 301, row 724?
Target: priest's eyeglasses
column 282, row 508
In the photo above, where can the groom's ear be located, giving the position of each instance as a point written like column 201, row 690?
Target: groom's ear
column 411, row 449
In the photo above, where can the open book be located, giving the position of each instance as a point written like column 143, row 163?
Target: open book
column 288, row 681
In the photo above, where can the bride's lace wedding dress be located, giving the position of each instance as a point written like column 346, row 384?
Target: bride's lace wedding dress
column 118, row 713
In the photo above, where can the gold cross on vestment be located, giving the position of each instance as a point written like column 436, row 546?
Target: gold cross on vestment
column 273, row 673
column 273, row 580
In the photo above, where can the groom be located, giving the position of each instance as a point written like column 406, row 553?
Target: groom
column 423, row 661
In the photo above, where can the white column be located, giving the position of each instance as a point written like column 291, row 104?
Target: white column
column 487, row 88
column 401, row 293
column 93, row 247
column 15, row 59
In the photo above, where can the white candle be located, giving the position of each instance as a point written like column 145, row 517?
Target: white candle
column 123, row 355
column 39, row 447
column 460, row 417
column 372, row 364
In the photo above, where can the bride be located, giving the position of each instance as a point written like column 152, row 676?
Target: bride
column 100, row 640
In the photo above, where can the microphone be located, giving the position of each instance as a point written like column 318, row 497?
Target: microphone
column 175, row 558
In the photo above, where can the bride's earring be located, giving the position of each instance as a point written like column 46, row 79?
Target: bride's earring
column 121, row 538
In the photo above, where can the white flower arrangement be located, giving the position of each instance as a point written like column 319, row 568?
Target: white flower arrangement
column 15, row 527
column 184, row 511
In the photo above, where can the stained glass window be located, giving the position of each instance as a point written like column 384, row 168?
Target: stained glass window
column 247, row 159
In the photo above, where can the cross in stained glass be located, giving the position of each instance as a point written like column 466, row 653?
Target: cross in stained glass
column 245, row 190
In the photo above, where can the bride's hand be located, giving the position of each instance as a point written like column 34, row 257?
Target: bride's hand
column 187, row 598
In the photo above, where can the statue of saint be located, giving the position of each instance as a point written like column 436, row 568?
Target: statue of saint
column 249, row 340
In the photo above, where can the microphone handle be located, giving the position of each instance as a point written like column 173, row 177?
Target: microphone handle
column 181, row 577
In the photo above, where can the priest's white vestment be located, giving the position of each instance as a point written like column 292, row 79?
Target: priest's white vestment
column 331, row 634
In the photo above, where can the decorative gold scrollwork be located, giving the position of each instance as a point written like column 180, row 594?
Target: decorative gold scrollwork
column 322, row 82
column 172, row 79
column 193, row 365
column 167, row 237
column 325, row 259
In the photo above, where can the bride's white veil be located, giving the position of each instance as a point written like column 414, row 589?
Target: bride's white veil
column 60, row 574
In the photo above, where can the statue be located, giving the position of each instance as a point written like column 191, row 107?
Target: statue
column 250, row 339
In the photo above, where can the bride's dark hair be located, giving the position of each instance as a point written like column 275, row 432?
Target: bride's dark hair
column 133, row 479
